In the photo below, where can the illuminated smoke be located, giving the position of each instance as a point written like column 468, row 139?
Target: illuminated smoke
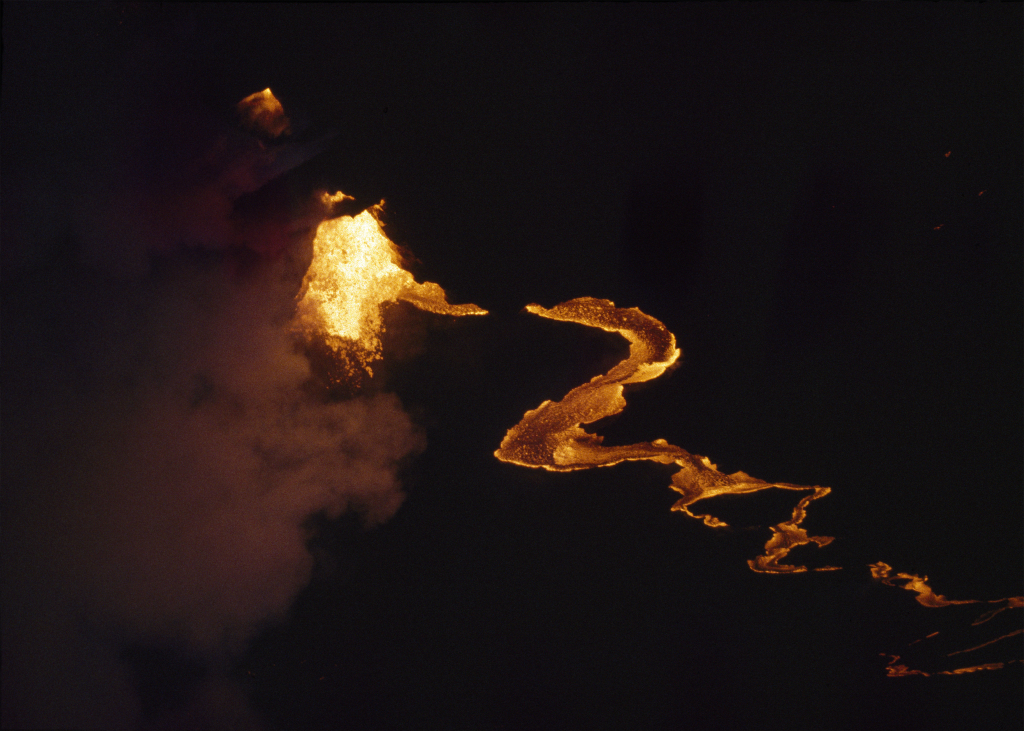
column 165, row 440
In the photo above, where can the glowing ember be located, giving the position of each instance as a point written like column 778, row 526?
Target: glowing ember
column 355, row 271
column 262, row 112
column 551, row 437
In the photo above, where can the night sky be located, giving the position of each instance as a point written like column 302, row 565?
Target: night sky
column 823, row 202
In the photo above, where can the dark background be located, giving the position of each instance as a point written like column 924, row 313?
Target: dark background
column 794, row 190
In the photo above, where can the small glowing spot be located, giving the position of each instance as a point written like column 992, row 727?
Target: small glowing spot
column 982, row 192
column 949, row 153
column 262, row 112
column 936, row 228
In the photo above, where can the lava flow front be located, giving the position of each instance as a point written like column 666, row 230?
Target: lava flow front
column 928, row 598
column 551, row 436
column 355, row 272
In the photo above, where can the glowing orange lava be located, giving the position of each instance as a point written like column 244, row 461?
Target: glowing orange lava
column 551, row 436
column 262, row 112
column 902, row 671
column 925, row 595
column 355, row 272
column 928, row 598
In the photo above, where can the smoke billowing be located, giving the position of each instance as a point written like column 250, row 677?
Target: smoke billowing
column 165, row 444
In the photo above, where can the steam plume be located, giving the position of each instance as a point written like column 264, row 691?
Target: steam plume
column 164, row 449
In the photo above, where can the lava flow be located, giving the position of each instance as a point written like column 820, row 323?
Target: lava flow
column 928, row 598
column 355, row 272
column 551, row 436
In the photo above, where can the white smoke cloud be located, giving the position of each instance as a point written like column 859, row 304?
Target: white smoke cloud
column 164, row 442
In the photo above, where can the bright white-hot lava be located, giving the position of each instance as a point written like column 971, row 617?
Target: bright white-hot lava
column 355, row 272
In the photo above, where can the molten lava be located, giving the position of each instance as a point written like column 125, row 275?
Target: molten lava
column 355, row 272
column 551, row 437
column 928, row 598
column 262, row 112
column 925, row 596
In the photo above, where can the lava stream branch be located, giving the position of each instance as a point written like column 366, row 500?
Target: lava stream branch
column 551, row 436
column 927, row 597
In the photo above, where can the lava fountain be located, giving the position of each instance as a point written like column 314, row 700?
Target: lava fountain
column 356, row 271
